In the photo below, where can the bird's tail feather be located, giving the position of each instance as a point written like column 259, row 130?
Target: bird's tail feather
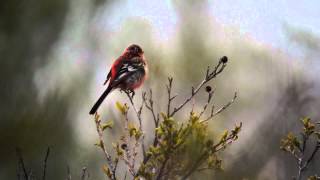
column 100, row 100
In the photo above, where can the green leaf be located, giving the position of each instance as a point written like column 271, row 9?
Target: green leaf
column 122, row 108
column 164, row 116
column 224, row 135
column 106, row 125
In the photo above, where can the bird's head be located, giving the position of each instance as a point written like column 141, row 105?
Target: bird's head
column 134, row 50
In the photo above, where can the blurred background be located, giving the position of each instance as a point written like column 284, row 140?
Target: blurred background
column 55, row 55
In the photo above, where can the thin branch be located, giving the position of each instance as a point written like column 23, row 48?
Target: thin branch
column 24, row 170
column 138, row 113
column 314, row 152
column 170, row 99
column 162, row 168
column 302, row 163
column 103, row 148
column 45, row 164
column 210, row 94
column 213, row 114
column 150, row 107
column 209, row 76
column 156, row 120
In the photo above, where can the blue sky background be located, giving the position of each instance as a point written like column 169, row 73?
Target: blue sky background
column 263, row 20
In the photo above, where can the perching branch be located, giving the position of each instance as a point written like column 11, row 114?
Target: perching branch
column 138, row 113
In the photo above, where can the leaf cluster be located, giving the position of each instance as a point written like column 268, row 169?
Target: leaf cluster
column 296, row 145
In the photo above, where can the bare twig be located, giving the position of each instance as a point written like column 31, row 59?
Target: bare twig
column 156, row 120
column 210, row 94
column 45, row 164
column 213, row 114
column 314, row 152
column 129, row 156
column 209, row 76
column 22, row 166
column 150, row 107
column 170, row 99
column 138, row 113
column 103, row 148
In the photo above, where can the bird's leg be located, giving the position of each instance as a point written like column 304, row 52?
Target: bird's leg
column 132, row 93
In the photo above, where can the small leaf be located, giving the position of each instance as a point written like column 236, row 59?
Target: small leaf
column 138, row 134
column 122, row 108
column 132, row 130
column 164, row 116
column 106, row 125
column 106, row 171
column 224, row 135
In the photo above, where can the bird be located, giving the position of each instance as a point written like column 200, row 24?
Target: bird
column 127, row 73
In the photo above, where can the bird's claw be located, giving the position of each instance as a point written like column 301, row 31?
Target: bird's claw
column 130, row 92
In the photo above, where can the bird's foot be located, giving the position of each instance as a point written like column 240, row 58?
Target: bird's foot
column 130, row 93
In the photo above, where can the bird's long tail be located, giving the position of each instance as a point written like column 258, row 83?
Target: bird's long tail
column 100, row 100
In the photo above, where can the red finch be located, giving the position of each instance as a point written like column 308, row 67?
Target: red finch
column 128, row 72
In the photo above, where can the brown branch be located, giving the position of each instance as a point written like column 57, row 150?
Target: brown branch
column 103, row 148
column 210, row 94
column 213, row 114
column 314, row 152
column 170, row 99
column 128, row 155
column 156, row 120
column 45, row 164
column 21, row 163
column 162, row 168
column 138, row 113
column 209, row 76
column 150, row 107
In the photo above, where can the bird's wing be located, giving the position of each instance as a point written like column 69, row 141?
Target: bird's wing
column 126, row 69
